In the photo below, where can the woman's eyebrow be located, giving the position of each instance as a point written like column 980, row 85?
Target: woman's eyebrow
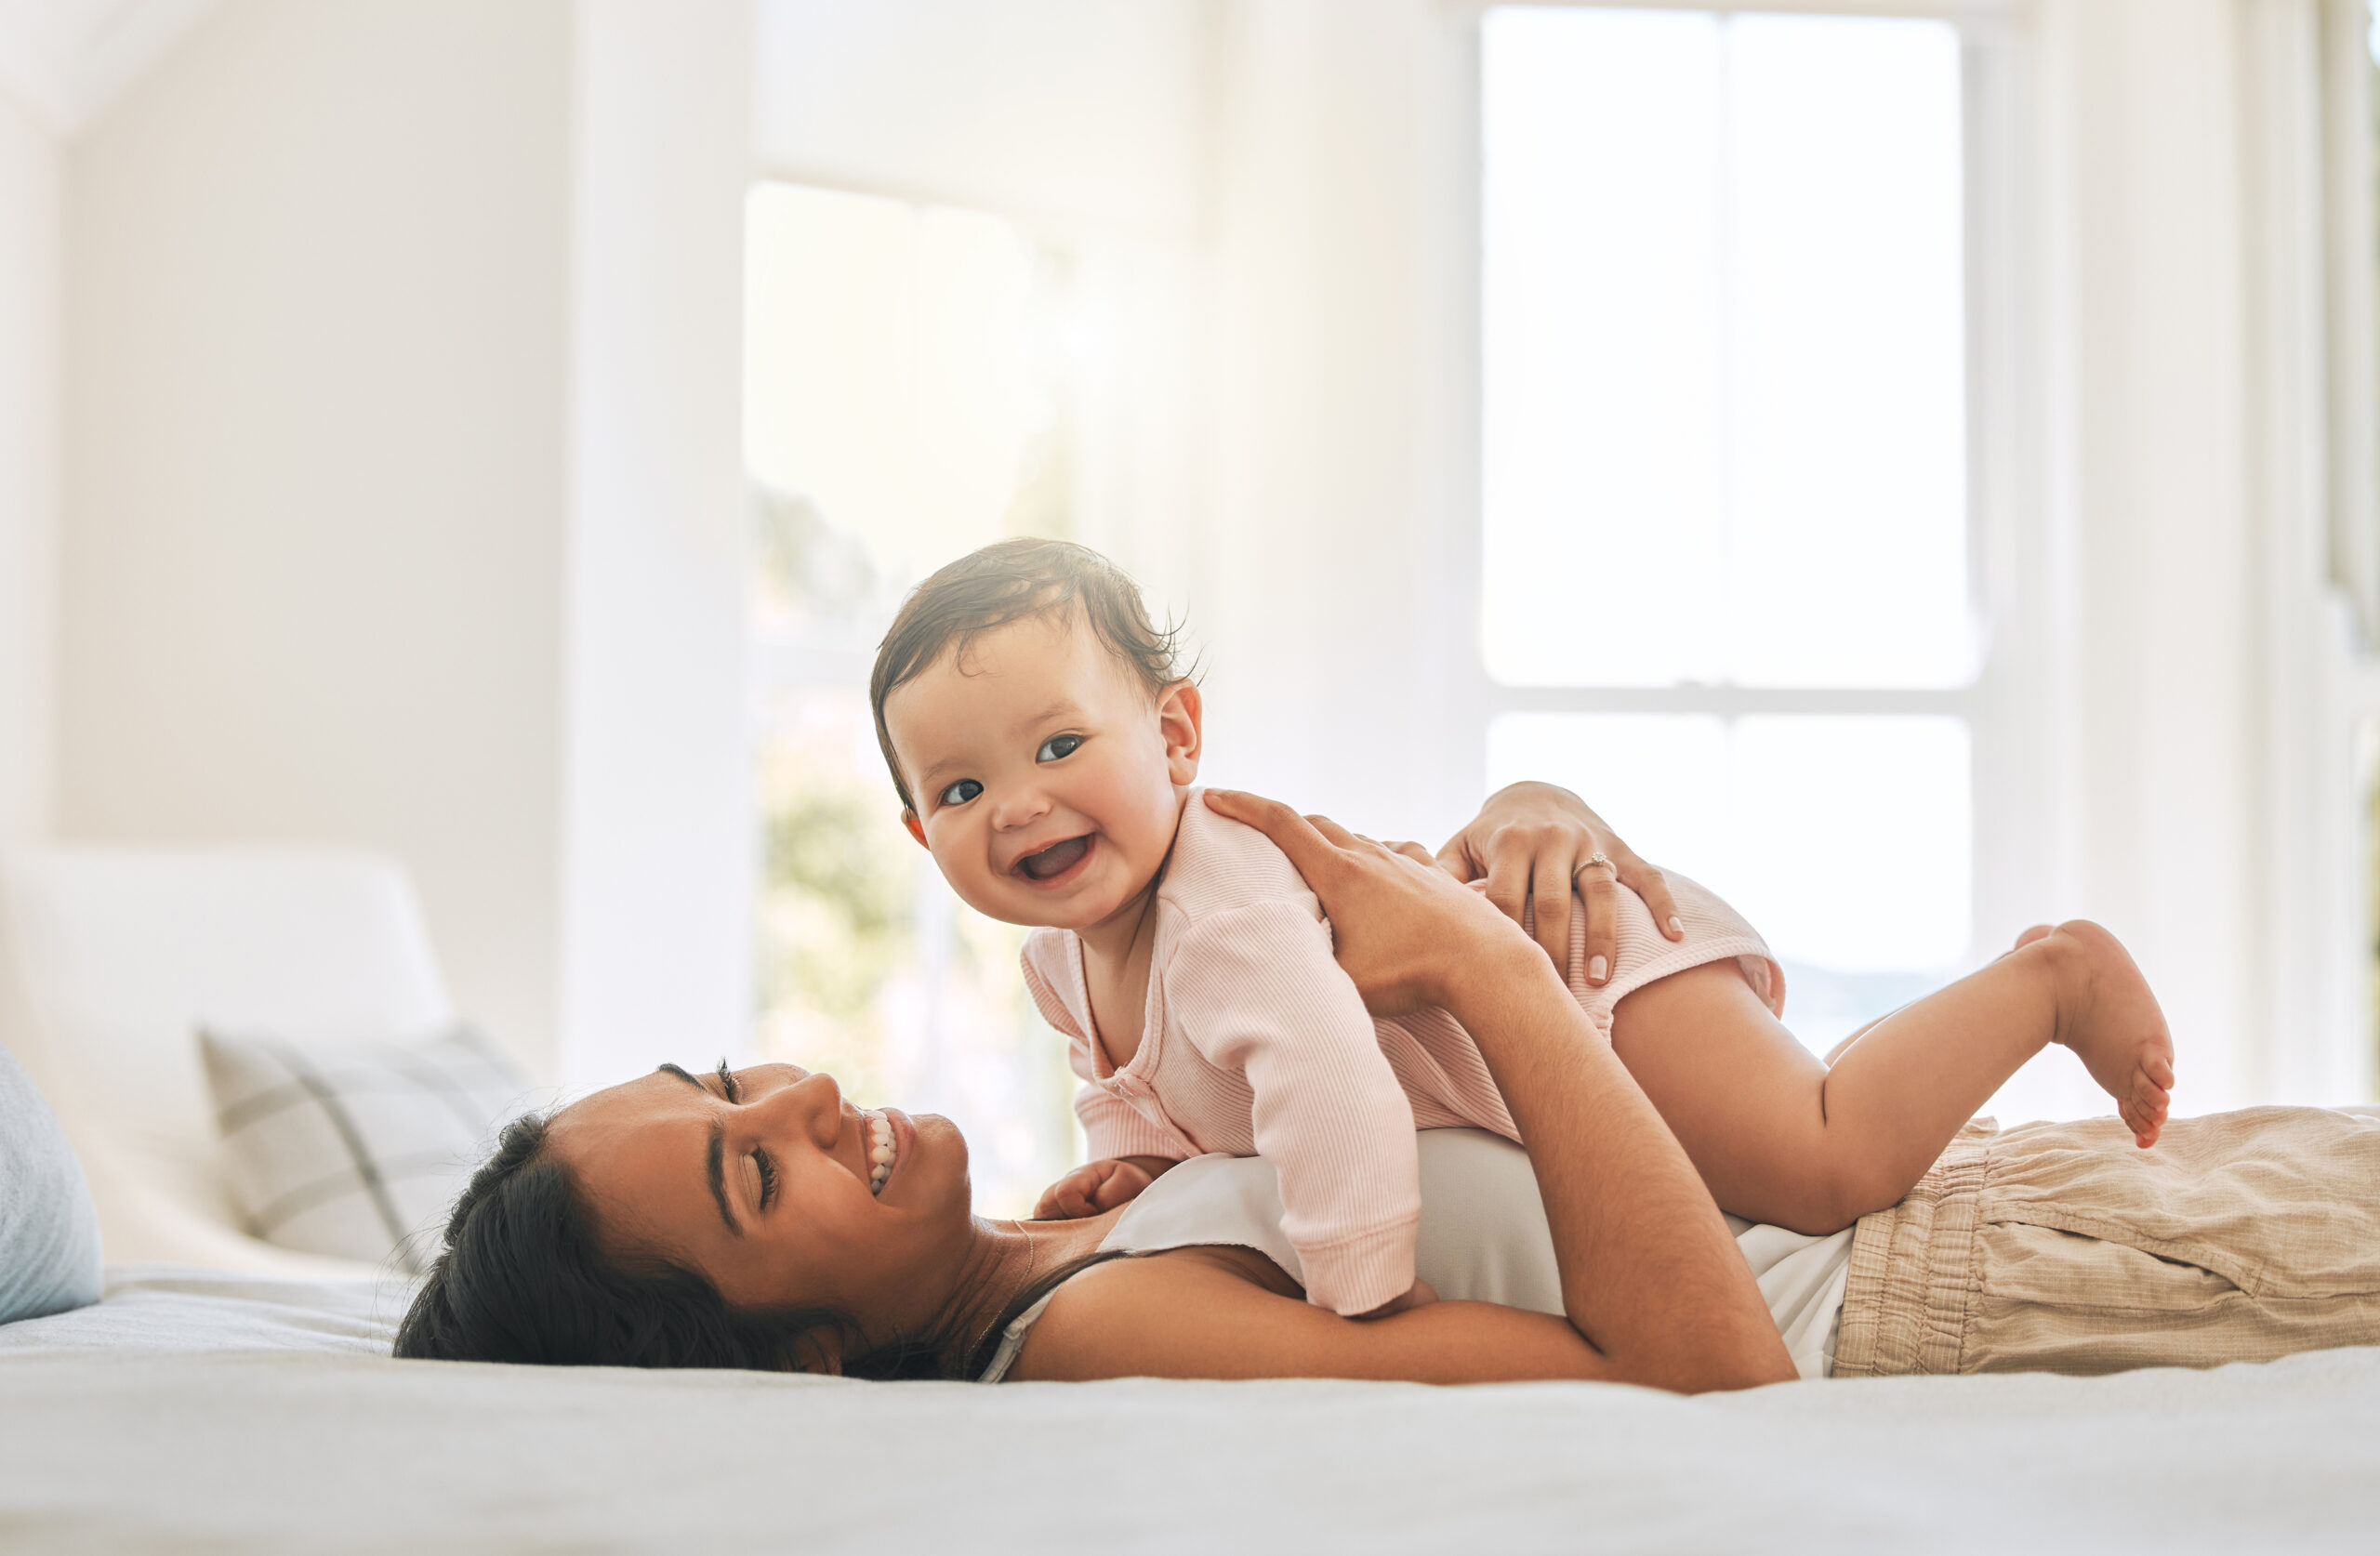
column 715, row 1165
column 715, row 1158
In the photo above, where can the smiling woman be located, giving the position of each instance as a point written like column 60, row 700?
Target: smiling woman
column 737, row 1220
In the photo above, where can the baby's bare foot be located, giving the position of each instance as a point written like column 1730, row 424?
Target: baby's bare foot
column 2108, row 1015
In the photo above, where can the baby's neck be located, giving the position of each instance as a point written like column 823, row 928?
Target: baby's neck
column 1125, row 935
column 1116, row 940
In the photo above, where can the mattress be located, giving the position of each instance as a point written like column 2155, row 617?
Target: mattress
column 195, row 1412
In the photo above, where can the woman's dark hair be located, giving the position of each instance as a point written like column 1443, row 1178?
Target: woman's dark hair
column 522, row 1277
column 1012, row 580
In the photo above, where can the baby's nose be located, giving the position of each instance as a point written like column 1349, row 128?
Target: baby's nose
column 1020, row 810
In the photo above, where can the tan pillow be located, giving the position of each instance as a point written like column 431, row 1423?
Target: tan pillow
column 357, row 1149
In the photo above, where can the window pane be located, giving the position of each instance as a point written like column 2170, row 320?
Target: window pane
column 1724, row 375
column 1850, row 838
column 1601, row 385
column 1662, row 778
column 1847, row 528
column 1844, row 840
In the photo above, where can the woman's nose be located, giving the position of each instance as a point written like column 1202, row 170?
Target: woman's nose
column 814, row 1105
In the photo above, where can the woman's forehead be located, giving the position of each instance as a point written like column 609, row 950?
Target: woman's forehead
column 656, row 1102
column 635, row 1150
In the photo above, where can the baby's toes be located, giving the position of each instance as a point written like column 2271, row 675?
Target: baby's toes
column 2158, row 1068
column 2147, row 1118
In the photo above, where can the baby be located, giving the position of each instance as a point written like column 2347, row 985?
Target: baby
column 1045, row 741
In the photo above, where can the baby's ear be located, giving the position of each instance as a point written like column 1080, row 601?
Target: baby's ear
column 1180, row 715
column 916, row 828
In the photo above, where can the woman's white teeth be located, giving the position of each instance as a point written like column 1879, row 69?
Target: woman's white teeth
column 881, row 1151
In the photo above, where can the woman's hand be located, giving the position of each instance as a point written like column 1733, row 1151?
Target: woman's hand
column 1529, row 841
column 1402, row 929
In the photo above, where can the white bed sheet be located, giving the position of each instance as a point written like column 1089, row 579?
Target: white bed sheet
column 127, row 1431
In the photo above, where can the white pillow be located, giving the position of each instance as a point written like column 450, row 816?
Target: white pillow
column 357, row 1149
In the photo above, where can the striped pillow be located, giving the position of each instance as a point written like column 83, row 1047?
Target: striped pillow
column 357, row 1149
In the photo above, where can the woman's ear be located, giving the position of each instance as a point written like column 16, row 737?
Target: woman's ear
column 1179, row 713
column 917, row 829
column 819, row 1353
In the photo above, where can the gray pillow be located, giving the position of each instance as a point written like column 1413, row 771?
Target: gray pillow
column 357, row 1149
column 50, row 1232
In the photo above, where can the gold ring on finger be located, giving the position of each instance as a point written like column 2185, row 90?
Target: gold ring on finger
column 1590, row 863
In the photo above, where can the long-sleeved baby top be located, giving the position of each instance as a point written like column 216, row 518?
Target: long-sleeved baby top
column 1255, row 1043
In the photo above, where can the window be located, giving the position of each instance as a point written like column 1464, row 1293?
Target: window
column 903, row 405
column 1725, row 534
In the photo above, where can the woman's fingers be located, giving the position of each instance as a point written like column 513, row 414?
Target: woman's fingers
column 1649, row 883
column 1415, row 852
column 1308, row 848
column 1509, row 870
column 1598, row 887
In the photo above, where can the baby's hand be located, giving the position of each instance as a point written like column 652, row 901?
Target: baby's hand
column 1095, row 1187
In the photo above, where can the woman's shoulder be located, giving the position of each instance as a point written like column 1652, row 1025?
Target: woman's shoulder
column 1219, row 864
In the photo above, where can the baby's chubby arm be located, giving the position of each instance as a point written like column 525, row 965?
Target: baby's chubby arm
column 1258, row 992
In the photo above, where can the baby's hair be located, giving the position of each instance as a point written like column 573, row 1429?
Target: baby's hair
column 1008, row 581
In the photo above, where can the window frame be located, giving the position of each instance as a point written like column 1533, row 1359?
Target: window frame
column 2018, row 544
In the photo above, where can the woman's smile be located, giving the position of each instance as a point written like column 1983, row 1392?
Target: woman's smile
column 889, row 1134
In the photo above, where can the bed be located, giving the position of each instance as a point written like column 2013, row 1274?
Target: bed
column 193, row 1411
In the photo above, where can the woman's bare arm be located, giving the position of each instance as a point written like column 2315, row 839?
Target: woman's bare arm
column 1650, row 1279
column 1197, row 1314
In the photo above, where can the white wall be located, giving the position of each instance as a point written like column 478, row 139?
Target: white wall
column 29, row 193
column 2154, row 674
column 659, row 837
column 1071, row 110
column 1335, row 369
column 310, row 572
column 2202, row 703
column 403, row 496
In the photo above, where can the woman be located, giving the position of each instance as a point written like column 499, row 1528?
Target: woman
column 728, row 1221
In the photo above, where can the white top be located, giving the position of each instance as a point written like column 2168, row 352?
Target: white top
column 1483, row 1238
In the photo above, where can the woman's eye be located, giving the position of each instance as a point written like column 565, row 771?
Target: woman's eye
column 1056, row 747
column 962, row 792
column 768, row 1177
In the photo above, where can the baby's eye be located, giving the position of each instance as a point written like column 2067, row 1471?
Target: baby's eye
column 962, row 792
column 1057, row 747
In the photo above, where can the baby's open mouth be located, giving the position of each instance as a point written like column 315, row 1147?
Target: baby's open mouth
column 1055, row 860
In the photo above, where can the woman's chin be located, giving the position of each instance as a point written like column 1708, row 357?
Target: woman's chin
column 942, row 1160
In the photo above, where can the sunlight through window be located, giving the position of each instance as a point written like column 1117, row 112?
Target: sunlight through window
column 1725, row 473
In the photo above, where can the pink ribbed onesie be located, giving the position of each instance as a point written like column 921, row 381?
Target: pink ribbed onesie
column 1255, row 1043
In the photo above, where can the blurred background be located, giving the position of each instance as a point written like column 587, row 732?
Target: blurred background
column 1910, row 463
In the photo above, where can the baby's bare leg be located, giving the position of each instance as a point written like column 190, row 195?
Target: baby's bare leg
column 1780, row 1138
